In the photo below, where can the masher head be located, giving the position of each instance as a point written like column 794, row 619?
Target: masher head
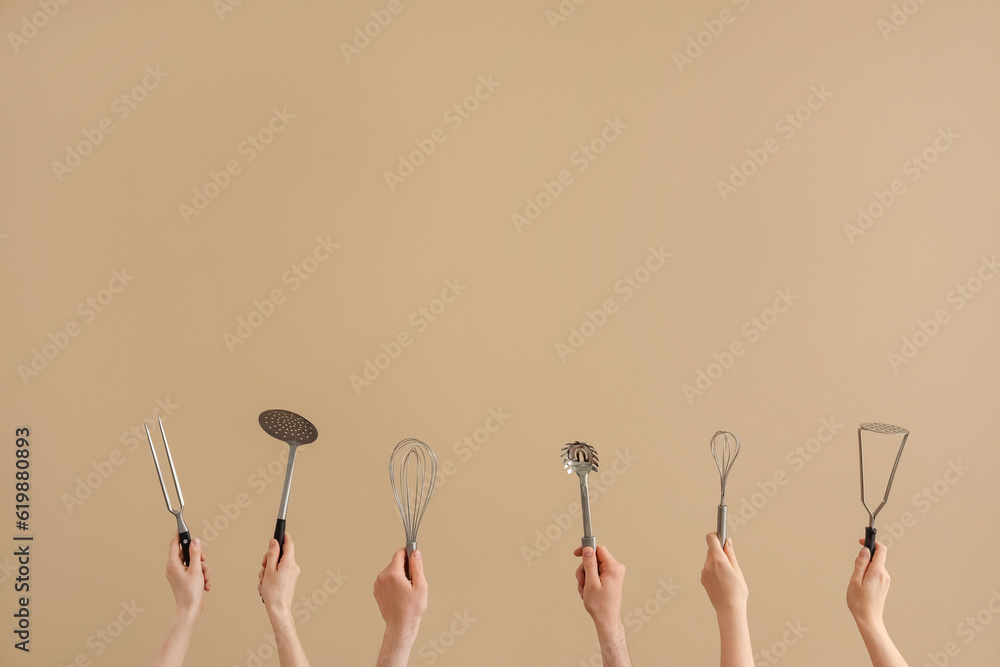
column 579, row 457
column 888, row 429
column 288, row 427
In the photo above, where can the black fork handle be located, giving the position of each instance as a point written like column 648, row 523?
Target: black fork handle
column 870, row 541
column 185, row 540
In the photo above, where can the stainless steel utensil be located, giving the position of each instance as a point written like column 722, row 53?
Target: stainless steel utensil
column 412, row 474
column 725, row 448
column 581, row 458
column 886, row 429
column 184, row 535
column 294, row 430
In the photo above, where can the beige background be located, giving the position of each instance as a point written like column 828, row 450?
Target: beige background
column 162, row 338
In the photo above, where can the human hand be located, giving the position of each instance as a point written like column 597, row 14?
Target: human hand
column 276, row 579
column 869, row 586
column 722, row 578
column 599, row 581
column 189, row 583
column 402, row 601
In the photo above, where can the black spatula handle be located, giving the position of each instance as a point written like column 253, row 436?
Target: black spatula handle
column 279, row 534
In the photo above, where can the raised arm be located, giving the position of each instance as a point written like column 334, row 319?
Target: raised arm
column 276, row 585
column 189, row 585
column 402, row 602
column 599, row 580
column 727, row 589
column 866, row 595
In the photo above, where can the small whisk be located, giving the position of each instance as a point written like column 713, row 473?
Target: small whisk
column 581, row 458
column 412, row 472
column 725, row 449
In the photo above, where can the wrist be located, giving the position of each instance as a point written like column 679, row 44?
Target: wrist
column 403, row 632
column 187, row 614
column 609, row 628
column 282, row 621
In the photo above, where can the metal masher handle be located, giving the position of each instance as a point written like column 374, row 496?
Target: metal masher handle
column 870, row 541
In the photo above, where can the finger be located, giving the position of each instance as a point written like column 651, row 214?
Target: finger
column 581, row 579
column 860, row 565
column 289, row 548
column 208, row 577
column 731, row 554
column 417, row 570
column 578, row 551
column 878, row 559
column 590, row 568
column 196, row 555
column 271, row 559
column 396, row 565
column 174, row 550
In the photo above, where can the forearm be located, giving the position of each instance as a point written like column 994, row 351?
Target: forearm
column 286, row 637
column 175, row 646
column 734, row 636
column 396, row 647
column 614, row 649
column 881, row 650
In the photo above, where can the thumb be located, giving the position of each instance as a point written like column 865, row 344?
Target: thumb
column 416, row 563
column 860, row 565
column 590, row 567
column 272, row 556
column 196, row 556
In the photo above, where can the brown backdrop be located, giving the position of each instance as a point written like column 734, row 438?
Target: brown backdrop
column 784, row 206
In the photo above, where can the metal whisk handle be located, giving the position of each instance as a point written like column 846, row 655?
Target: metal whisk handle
column 590, row 542
column 870, row 541
column 720, row 528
